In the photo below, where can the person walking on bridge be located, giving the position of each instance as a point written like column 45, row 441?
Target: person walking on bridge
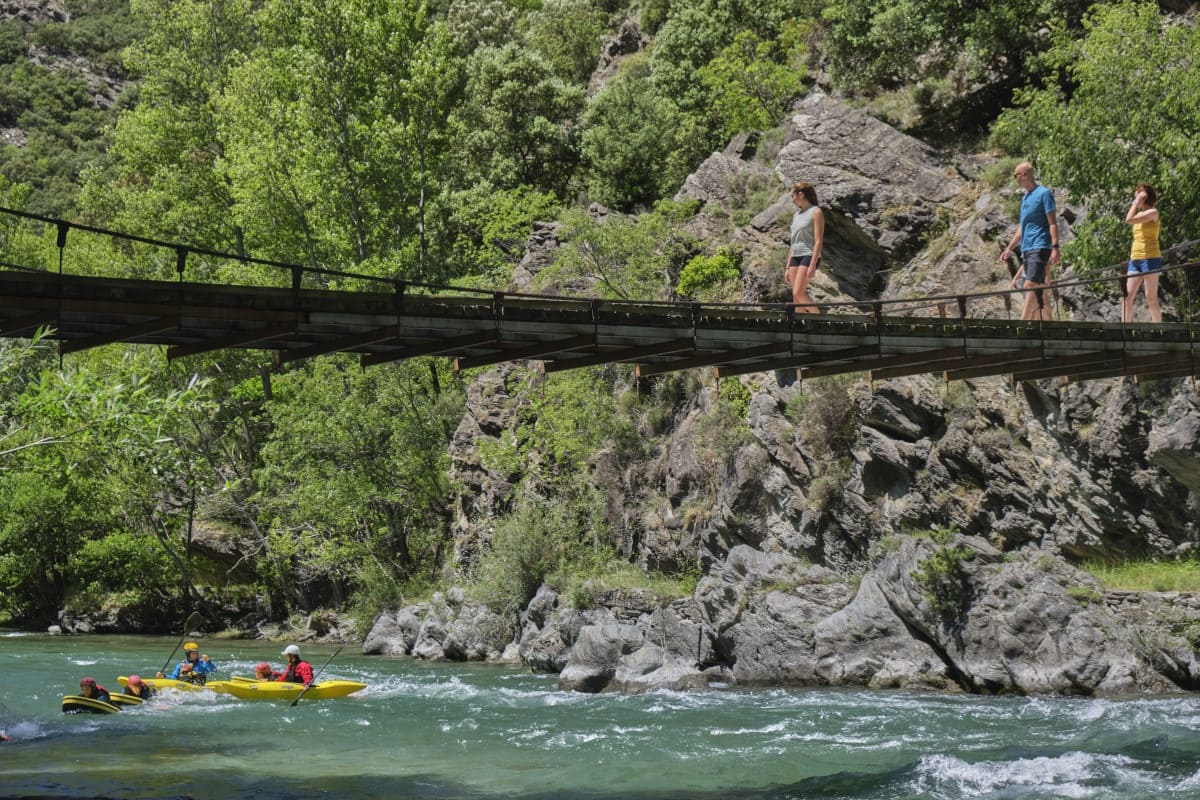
column 807, row 240
column 1145, row 257
column 1037, row 234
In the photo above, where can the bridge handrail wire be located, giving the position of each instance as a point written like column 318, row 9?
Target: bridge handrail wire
column 400, row 284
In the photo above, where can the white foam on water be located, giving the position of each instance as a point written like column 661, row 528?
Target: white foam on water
column 1071, row 775
column 775, row 727
column 1189, row 783
column 81, row 662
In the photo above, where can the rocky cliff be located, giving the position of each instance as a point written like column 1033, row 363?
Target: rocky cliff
column 909, row 533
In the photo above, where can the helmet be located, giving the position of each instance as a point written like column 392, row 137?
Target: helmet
column 88, row 682
column 135, row 680
column 262, row 666
column 291, row 650
column 190, row 646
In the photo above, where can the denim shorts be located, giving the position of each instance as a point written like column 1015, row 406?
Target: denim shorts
column 1140, row 266
column 1035, row 262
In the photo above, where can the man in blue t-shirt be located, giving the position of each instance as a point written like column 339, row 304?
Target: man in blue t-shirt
column 1037, row 233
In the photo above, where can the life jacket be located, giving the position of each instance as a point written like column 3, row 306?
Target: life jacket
column 294, row 673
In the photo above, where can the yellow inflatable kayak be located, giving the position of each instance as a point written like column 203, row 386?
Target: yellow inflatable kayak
column 182, row 686
column 250, row 689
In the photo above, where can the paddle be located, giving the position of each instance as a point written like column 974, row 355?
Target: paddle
column 313, row 682
column 192, row 621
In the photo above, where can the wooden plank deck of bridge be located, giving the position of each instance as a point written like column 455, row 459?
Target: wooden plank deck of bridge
column 568, row 333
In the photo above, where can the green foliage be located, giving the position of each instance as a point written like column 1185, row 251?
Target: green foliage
column 711, row 277
column 752, row 82
column 123, row 561
column 353, row 484
column 724, row 430
column 559, row 430
column 12, row 40
column 62, row 132
column 737, row 395
column 636, row 258
column 604, row 572
column 95, row 29
column 944, row 579
column 636, row 143
column 475, row 24
column 1124, row 111
column 825, row 414
column 490, row 227
column 517, row 123
column 941, row 70
column 528, row 544
column 567, row 33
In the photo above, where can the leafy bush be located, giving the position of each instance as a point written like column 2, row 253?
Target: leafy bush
column 944, row 579
column 527, row 546
column 825, row 413
column 708, row 276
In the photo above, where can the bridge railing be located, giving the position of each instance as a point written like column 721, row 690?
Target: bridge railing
column 148, row 257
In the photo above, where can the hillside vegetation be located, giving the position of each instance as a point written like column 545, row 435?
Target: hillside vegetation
column 424, row 140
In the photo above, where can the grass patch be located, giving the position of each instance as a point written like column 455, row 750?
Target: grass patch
column 1147, row 576
column 581, row 587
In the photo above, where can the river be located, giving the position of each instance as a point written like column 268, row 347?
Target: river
column 480, row 731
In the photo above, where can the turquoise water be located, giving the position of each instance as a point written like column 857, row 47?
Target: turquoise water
column 476, row 732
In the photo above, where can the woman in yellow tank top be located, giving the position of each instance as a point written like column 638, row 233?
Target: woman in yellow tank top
column 1145, row 258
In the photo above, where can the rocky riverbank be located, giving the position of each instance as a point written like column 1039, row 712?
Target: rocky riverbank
column 930, row 543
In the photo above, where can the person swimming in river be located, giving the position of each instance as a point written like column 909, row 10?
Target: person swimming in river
column 93, row 691
column 136, row 687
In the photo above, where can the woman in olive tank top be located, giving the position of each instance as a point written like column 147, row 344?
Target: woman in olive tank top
column 1145, row 258
column 807, row 240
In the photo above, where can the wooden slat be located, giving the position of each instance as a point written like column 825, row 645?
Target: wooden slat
column 1060, row 366
column 622, row 355
column 236, row 339
column 711, row 359
column 536, row 350
column 337, row 345
column 997, row 364
column 1147, row 365
column 795, row 362
column 123, row 334
column 433, row 348
column 903, row 359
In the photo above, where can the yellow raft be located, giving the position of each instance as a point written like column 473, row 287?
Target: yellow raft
column 180, row 686
column 250, row 689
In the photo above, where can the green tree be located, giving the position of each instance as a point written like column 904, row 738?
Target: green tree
column 1125, row 110
column 753, row 82
column 991, row 48
column 517, row 125
column 637, row 145
column 567, row 33
column 336, row 131
column 353, row 484
column 629, row 258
